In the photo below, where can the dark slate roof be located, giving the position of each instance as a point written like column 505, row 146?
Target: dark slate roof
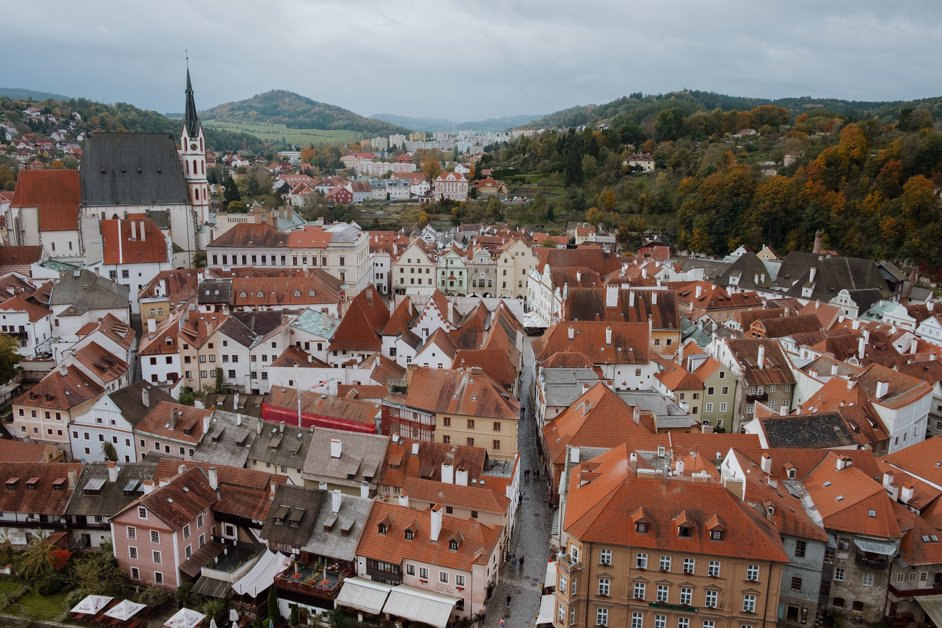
column 832, row 275
column 247, row 327
column 293, row 513
column 95, row 495
column 228, row 440
column 130, row 400
column 812, row 431
column 712, row 268
column 748, row 267
column 215, row 291
column 132, row 169
column 83, row 290
column 246, row 405
column 190, row 118
column 865, row 298
column 281, row 446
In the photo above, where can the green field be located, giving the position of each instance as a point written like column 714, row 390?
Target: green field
column 278, row 132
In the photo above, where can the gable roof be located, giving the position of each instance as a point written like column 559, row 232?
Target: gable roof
column 130, row 400
column 467, row 392
column 96, row 495
column 364, row 320
column 132, row 241
column 293, row 513
column 623, row 305
column 251, row 235
column 62, row 389
column 56, row 194
column 181, row 500
column 132, row 169
column 37, row 488
column 34, row 311
column 83, row 290
column 629, row 344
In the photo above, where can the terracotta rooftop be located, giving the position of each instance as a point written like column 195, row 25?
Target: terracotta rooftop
column 629, row 341
column 55, row 193
column 466, row 392
column 37, row 488
column 62, row 389
column 137, row 241
column 175, row 421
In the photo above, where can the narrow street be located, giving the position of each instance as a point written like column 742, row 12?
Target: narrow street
column 531, row 538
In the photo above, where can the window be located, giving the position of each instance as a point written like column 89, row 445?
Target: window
column 574, row 553
column 199, row 520
column 665, row 563
column 839, row 574
column 686, row 595
column 713, row 569
column 469, row 442
column 663, row 590
column 562, row 583
column 605, row 586
column 156, row 557
column 796, row 583
column 749, row 603
column 638, row 590
column 709, row 623
column 443, row 576
column 637, row 619
column 752, row 573
column 496, row 426
column 641, row 561
column 708, row 407
column 410, row 569
column 660, row 621
column 800, row 548
column 158, row 578
column 496, row 445
column 723, row 407
column 188, row 552
column 710, row 600
column 154, row 536
column 132, row 533
column 470, row 424
column 601, row 617
column 186, row 531
column 135, row 573
column 142, row 513
column 132, row 552
column 641, row 526
column 605, row 557
column 689, row 565
column 683, row 622
column 423, row 573
column 446, row 421
column 459, row 580
column 716, row 535
column 867, row 579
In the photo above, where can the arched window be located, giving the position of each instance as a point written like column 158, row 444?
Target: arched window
column 311, row 293
column 187, row 166
column 297, row 293
column 260, row 294
column 242, row 294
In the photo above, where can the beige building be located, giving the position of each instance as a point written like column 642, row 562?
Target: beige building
column 514, row 261
column 44, row 411
column 646, row 552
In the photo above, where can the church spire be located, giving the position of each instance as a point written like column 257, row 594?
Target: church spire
column 190, row 118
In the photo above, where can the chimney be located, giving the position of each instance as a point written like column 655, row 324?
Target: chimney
column 631, row 298
column 654, row 297
column 335, row 499
column 611, row 296
column 235, row 401
column 174, row 414
column 579, row 276
column 448, row 473
column 818, row 242
column 143, row 232
column 861, row 348
column 679, row 467
column 133, row 229
column 930, row 305
column 572, row 332
column 834, row 368
column 461, row 476
column 608, row 335
column 573, row 455
column 760, row 360
column 147, row 486
column 151, row 326
column 404, row 500
column 258, row 427
column 766, row 463
column 336, row 447
column 914, row 348
column 854, row 324
column 63, row 370
column 882, row 389
column 415, row 448
column 783, row 409
column 811, row 274
column 842, row 463
column 213, row 476
column 888, row 480
column 364, row 490
column 698, row 292
column 906, row 494
column 145, row 396
column 181, row 468
column 436, row 530
column 644, row 272
column 206, row 423
column 112, row 472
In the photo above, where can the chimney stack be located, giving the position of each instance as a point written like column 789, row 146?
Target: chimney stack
column 145, row 396
column 882, row 389
column 335, row 499
column 906, row 495
column 654, row 297
column 213, row 476
column 631, row 298
column 415, row 448
column 760, row 360
column 818, row 242
column 461, row 476
column 143, row 232
column 573, row 455
column 436, row 530
column 112, row 472
column 842, row 463
column 364, row 490
column 133, row 229
column 572, row 332
column 404, row 500
column 336, row 448
column 448, row 473
column 608, row 335
column 151, row 326
column 611, row 296
column 861, row 347
column 698, row 292
column 147, row 486
column 766, row 463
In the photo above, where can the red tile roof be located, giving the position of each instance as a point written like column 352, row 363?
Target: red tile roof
column 58, row 391
column 33, row 310
column 37, row 488
column 179, row 502
column 629, row 345
column 186, row 427
column 467, row 392
column 57, row 195
column 364, row 320
column 137, row 241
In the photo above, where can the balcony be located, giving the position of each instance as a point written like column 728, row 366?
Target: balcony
column 313, row 580
column 870, row 560
column 901, row 593
column 566, row 561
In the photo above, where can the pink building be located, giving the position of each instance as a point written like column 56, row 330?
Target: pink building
column 163, row 529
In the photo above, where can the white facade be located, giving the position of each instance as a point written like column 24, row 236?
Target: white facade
column 29, row 334
column 102, row 423
column 414, row 272
column 514, row 264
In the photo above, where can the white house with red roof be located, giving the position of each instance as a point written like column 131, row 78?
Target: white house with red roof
column 452, row 186
column 29, row 322
column 134, row 251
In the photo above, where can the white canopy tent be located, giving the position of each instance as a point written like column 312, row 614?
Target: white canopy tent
column 262, row 574
column 124, row 610
column 363, row 595
column 550, row 580
column 91, row 605
column 420, row 605
column 547, row 605
column 185, row 618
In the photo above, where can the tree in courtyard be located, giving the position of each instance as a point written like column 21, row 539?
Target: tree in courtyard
column 9, row 357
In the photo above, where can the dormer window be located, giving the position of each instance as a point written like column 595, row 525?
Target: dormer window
column 641, row 527
column 311, row 293
column 382, row 528
column 297, row 293
column 453, row 544
column 684, row 531
column 409, row 535
column 716, row 535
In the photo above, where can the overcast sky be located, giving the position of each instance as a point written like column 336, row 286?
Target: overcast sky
column 472, row 59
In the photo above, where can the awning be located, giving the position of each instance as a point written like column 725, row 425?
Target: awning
column 418, row 605
column 550, row 580
column 363, row 595
column 547, row 605
column 91, row 605
column 262, row 574
column 886, row 548
column 932, row 604
column 124, row 610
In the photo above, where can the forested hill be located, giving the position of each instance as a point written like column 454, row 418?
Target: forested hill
column 638, row 108
column 296, row 111
column 119, row 117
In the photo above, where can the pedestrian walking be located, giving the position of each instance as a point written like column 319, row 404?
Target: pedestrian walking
column 502, row 622
column 537, row 473
column 508, row 601
column 526, row 475
column 513, row 562
column 521, row 562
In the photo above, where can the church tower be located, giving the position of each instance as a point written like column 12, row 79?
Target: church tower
column 193, row 158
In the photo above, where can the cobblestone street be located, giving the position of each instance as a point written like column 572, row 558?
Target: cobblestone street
column 531, row 538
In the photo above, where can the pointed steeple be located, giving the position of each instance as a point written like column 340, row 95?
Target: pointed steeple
column 190, row 119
